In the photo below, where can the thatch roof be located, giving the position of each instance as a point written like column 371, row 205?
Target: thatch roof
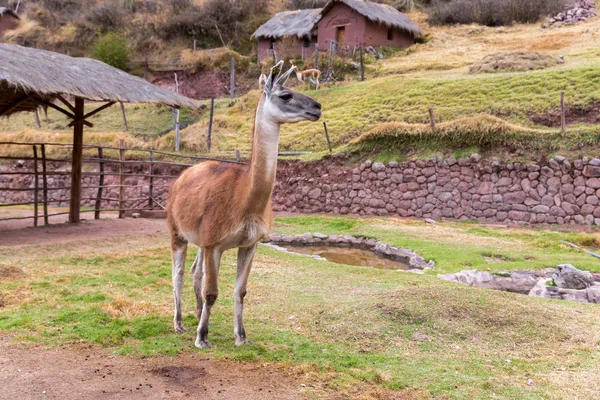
column 31, row 77
column 289, row 23
column 8, row 11
column 379, row 13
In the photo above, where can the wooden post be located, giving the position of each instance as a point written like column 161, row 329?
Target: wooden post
column 124, row 116
column 176, row 118
column 35, row 186
column 563, row 121
column 194, row 44
column 316, row 55
column 238, row 157
column 121, row 179
column 44, row 183
column 146, row 66
column 151, row 183
column 362, row 64
column 210, row 123
column 232, row 78
column 75, row 203
column 432, row 118
column 98, row 205
column 327, row 136
column 37, row 119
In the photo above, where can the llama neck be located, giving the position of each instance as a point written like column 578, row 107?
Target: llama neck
column 263, row 164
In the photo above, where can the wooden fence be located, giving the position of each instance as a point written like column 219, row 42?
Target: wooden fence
column 96, row 156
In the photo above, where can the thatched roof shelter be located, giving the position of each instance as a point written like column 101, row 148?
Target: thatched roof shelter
column 300, row 23
column 379, row 13
column 7, row 11
column 30, row 78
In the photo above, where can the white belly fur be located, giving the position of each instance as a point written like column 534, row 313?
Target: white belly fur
column 244, row 236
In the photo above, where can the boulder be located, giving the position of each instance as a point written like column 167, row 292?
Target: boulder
column 569, row 277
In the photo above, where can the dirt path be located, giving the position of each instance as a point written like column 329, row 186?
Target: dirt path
column 89, row 373
column 87, row 229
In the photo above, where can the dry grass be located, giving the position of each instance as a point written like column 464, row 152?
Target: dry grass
column 213, row 60
column 123, row 307
column 515, row 61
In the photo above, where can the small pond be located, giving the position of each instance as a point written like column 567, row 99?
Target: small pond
column 348, row 256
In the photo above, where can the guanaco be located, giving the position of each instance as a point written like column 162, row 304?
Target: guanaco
column 315, row 74
column 219, row 206
column 262, row 81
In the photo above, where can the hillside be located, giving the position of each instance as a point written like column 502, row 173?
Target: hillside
column 401, row 89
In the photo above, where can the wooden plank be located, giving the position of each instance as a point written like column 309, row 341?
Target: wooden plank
column 432, row 118
column 563, row 120
column 327, row 136
column 37, row 119
column 362, row 64
column 100, row 184
column 44, row 183
column 121, row 179
column 124, row 116
column 36, row 188
column 91, row 113
column 232, row 78
column 75, row 203
column 151, row 183
column 210, row 123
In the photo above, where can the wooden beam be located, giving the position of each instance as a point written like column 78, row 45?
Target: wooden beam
column 75, row 203
column 91, row 113
column 14, row 105
column 66, row 103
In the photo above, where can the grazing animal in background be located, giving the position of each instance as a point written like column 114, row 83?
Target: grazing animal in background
column 262, row 81
column 315, row 74
column 219, row 206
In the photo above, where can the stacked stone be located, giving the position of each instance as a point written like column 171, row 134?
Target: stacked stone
column 556, row 192
column 576, row 12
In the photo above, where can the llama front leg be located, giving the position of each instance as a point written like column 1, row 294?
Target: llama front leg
column 178, row 254
column 197, row 279
column 244, row 263
column 210, row 290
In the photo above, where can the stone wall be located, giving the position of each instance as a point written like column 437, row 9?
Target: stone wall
column 136, row 193
column 557, row 191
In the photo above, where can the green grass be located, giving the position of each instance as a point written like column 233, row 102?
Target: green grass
column 389, row 329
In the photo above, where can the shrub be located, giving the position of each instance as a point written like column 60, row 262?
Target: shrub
column 404, row 5
column 106, row 16
column 112, row 49
column 213, row 60
column 491, row 12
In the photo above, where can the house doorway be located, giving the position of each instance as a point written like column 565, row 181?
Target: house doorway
column 340, row 34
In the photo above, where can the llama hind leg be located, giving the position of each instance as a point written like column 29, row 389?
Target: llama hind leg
column 197, row 279
column 178, row 254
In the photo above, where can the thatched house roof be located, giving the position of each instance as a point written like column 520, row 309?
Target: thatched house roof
column 379, row 13
column 31, row 77
column 8, row 11
column 289, row 23
column 301, row 23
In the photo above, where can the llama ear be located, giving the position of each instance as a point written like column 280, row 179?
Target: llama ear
column 273, row 76
column 284, row 77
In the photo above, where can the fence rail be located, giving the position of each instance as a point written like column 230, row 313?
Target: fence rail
column 40, row 172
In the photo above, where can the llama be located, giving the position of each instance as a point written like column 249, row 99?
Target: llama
column 219, row 206
column 315, row 74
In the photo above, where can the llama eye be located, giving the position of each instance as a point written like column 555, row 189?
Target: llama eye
column 285, row 96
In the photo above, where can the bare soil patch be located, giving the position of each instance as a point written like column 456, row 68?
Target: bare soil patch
column 85, row 230
column 89, row 373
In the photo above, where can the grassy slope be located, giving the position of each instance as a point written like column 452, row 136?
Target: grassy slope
column 402, row 89
column 350, row 324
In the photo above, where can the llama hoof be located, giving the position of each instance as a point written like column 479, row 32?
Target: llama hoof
column 203, row 344
column 179, row 328
column 242, row 341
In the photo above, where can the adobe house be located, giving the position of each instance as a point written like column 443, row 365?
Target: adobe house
column 8, row 20
column 289, row 33
column 348, row 22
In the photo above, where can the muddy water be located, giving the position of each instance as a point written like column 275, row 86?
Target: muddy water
column 348, row 256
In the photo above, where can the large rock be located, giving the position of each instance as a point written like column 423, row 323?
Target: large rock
column 515, row 282
column 569, row 277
